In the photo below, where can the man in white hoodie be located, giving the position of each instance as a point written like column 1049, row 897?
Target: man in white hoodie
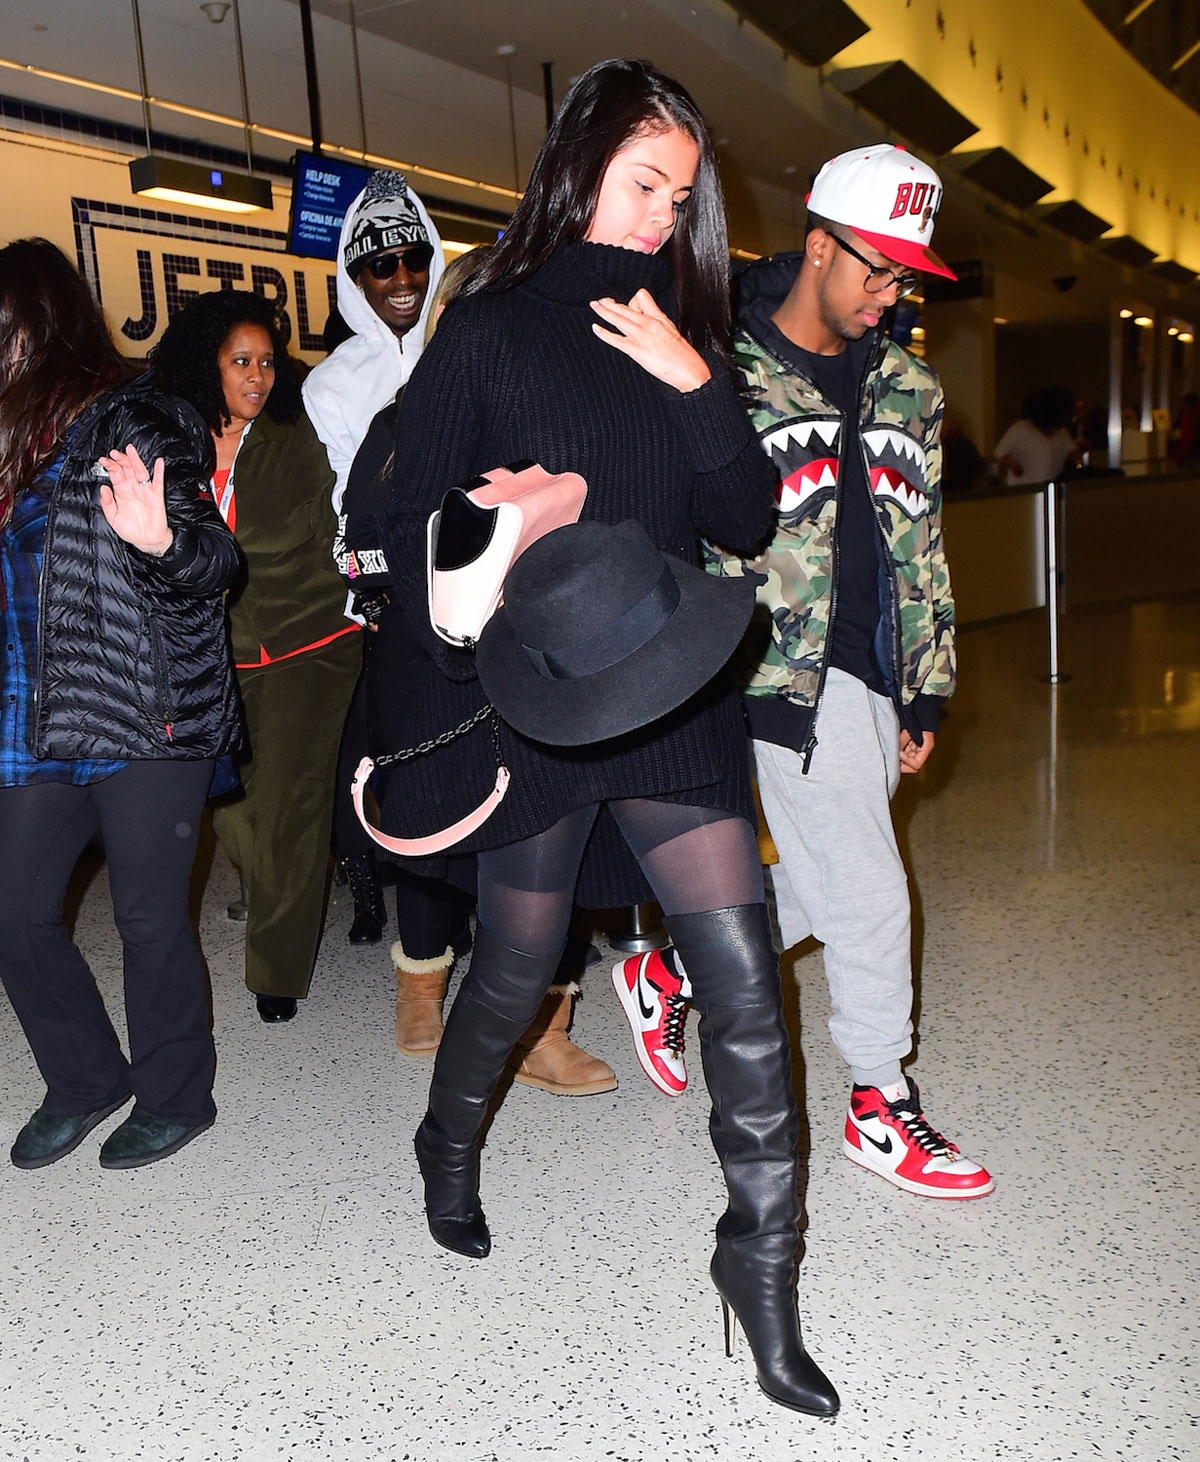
column 388, row 266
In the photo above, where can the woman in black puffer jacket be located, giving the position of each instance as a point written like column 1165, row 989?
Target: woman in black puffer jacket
column 118, row 696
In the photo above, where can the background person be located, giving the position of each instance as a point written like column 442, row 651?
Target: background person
column 389, row 262
column 118, row 696
column 565, row 350
column 1040, row 443
column 297, row 656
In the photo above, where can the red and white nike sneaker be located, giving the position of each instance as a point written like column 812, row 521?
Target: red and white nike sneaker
column 655, row 1001
column 894, row 1140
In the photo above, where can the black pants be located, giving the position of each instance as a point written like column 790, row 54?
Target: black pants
column 149, row 816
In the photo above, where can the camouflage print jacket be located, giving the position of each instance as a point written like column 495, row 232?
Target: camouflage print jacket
column 796, row 573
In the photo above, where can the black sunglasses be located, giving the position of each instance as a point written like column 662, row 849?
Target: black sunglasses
column 416, row 259
column 879, row 277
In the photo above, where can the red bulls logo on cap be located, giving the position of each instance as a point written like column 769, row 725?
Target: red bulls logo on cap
column 918, row 199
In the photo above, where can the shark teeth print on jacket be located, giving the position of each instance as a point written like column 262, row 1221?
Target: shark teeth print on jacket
column 897, row 467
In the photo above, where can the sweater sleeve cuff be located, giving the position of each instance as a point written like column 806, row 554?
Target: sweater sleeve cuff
column 928, row 711
column 711, row 421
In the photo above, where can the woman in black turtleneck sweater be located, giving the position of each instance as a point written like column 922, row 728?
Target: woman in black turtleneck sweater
column 590, row 340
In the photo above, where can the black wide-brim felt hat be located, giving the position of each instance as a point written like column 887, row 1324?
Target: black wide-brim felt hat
column 600, row 634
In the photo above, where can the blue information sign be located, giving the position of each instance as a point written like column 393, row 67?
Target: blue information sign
column 323, row 188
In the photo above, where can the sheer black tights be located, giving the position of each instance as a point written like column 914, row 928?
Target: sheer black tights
column 694, row 858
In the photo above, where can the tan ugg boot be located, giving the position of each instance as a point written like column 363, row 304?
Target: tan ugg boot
column 551, row 1061
column 421, row 989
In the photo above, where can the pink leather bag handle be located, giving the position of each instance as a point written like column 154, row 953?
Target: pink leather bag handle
column 446, row 837
column 437, row 842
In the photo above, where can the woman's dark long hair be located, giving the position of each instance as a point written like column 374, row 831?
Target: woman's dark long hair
column 56, row 357
column 611, row 104
column 185, row 359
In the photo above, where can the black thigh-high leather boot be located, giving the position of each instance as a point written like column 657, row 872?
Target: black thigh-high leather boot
column 500, row 995
column 734, row 972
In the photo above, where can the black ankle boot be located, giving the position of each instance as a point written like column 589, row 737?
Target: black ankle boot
column 369, row 913
column 500, row 995
column 734, row 972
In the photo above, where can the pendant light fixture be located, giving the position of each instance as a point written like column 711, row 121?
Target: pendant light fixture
column 176, row 181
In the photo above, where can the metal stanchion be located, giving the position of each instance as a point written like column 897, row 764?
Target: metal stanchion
column 1051, row 498
column 643, row 930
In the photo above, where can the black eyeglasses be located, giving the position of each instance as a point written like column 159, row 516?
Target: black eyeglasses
column 416, row 259
column 879, row 277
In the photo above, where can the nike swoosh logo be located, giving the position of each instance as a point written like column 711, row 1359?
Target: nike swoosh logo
column 885, row 1146
column 648, row 1012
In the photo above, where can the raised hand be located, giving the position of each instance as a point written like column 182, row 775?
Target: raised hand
column 134, row 502
column 650, row 339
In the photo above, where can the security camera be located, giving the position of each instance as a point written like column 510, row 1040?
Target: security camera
column 1065, row 282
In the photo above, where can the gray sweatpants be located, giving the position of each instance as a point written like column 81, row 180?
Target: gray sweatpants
column 839, row 875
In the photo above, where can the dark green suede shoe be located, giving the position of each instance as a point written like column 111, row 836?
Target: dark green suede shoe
column 140, row 1140
column 47, row 1136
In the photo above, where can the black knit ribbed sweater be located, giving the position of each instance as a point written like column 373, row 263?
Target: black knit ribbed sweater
column 518, row 374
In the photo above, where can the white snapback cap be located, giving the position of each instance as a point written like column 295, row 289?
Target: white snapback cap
column 888, row 197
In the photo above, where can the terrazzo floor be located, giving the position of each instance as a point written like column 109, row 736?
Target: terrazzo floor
column 272, row 1292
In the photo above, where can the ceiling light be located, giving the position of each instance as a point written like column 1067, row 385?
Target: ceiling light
column 1172, row 329
column 1136, row 11
column 189, row 182
column 999, row 320
column 1144, row 321
column 917, row 332
column 1126, row 314
column 1182, row 61
column 216, row 10
column 1185, row 337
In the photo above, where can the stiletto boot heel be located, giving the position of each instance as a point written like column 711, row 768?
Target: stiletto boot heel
column 730, row 1320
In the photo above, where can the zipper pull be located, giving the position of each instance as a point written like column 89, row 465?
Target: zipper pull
column 806, row 753
column 170, row 736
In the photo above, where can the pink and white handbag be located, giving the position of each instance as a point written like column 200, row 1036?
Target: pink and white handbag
column 480, row 531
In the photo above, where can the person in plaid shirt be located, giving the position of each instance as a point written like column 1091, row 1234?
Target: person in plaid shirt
column 117, row 698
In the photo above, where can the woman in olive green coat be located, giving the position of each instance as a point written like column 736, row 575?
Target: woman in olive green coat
column 296, row 654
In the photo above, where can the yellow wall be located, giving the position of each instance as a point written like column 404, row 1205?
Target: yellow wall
column 1132, row 147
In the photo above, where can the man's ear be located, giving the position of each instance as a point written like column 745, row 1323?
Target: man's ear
column 818, row 245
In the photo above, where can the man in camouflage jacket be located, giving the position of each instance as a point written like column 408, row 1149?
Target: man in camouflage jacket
column 852, row 651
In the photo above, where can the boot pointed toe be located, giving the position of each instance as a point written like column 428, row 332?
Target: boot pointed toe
column 805, row 1388
column 467, row 1236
